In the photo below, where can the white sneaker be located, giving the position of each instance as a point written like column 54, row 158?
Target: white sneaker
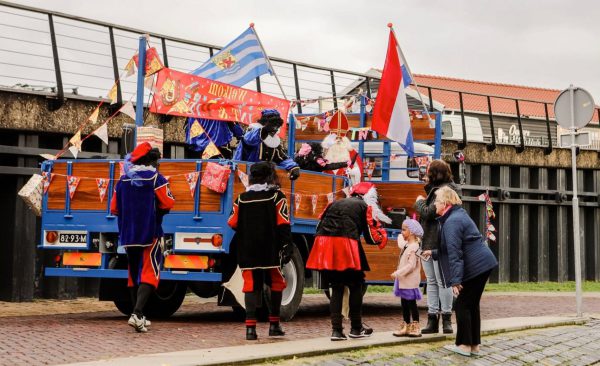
column 139, row 324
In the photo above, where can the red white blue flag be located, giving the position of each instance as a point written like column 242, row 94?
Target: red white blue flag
column 390, row 116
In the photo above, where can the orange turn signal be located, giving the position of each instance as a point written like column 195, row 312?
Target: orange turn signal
column 217, row 240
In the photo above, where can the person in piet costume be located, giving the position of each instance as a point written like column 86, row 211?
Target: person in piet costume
column 310, row 157
column 261, row 143
column 260, row 217
column 339, row 149
column 140, row 200
column 339, row 256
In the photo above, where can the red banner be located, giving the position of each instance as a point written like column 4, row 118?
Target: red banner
column 187, row 95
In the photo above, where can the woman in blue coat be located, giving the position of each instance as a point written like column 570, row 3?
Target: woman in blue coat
column 465, row 263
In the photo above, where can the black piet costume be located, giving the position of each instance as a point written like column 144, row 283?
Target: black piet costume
column 310, row 157
column 339, row 256
column 260, row 217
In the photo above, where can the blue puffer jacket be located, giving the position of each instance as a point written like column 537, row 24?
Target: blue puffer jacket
column 462, row 253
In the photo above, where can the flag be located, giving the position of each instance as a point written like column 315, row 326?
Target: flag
column 102, row 184
column 390, row 116
column 112, row 94
column 73, row 182
column 130, row 67
column 94, row 116
column 238, row 63
column 102, row 133
column 210, row 151
column 128, row 109
column 196, row 129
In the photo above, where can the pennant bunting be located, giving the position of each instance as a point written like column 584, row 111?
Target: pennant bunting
column 76, row 140
column 130, row 67
column 210, row 151
column 128, row 109
column 112, row 94
column 94, row 116
column 489, row 215
column 48, row 156
column 153, row 62
column 102, row 184
column 297, row 200
column 192, row 180
column 74, row 151
column 168, row 178
column 47, row 179
column 121, row 169
column 243, row 178
column 73, row 182
column 149, row 83
column 314, row 199
column 196, row 129
column 102, row 133
column 329, row 197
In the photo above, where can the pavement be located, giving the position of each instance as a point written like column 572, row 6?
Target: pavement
column 256, row 353
column 51, row 332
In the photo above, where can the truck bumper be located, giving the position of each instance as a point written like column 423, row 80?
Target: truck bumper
column 122, row 273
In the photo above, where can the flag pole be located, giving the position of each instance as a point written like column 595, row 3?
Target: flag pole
column 390, row 25
column 276, row 78
column 270, row 65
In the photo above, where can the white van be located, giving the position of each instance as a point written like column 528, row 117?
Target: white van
column 401, row 161
column 452, row 128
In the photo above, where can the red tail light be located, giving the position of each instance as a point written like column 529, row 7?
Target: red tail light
column 51, row 236
column 211, row 262
column 217, row 240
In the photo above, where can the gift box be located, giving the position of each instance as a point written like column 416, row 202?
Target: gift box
column 32, row 193
column 154, row 136
column 215, row 177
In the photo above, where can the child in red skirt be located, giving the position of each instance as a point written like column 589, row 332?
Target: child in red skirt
column 407, row 278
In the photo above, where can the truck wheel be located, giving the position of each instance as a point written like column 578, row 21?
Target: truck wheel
column 166, row 300
column 293, row 272
column 124, row 306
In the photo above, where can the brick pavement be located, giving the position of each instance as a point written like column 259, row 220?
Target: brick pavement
column 570, row 345
column 64, row 338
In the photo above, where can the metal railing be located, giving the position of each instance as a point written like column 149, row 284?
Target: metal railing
column 68, row 56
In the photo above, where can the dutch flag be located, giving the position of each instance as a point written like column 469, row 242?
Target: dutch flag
column 390, row 115
column 243, row 58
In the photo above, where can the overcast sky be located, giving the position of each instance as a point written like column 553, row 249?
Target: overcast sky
column 539, row 43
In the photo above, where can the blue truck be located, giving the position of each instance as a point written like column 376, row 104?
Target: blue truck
column 84, row 235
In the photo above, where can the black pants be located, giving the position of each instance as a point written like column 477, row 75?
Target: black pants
column 468, row 318
column 408, row 307
column 356, row 300
column 259, row 278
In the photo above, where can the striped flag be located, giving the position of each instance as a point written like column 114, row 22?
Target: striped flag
column 390, row 116
column 239, row 62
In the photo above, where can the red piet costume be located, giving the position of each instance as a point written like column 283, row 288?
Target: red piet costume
column 340, row 258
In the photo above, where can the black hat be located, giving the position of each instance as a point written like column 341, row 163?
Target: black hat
column 261, row 172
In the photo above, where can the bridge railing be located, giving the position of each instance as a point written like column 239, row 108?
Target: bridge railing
column 67, row 56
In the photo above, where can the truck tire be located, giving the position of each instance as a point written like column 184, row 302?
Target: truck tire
column 166, row 300
column 293, row 272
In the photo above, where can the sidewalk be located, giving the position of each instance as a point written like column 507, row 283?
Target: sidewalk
column 318, row 346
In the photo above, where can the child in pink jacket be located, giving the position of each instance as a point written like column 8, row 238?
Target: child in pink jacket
column 407, row 279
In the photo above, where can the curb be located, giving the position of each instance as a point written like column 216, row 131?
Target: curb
column 271, row 352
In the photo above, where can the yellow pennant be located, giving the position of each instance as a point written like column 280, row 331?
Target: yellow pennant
column 196, row 129
column 210, row 151
column 112, row 94
column 76, row 140
column 130, row 68
column 94, row 116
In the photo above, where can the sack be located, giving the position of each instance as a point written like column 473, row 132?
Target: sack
column 215, row 177
column 32, row 193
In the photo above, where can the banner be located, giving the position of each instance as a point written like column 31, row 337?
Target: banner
column 186, row 95
column 47, row 179
column 243, row 178
column 73, row 182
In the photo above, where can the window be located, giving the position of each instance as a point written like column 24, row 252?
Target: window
column 447, row 128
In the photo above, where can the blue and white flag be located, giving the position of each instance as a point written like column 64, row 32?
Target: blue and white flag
column 238, row 63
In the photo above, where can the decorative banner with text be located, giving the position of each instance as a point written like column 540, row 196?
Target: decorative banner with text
column 187, row 95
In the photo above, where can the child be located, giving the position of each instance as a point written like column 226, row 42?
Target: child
column 408, row 276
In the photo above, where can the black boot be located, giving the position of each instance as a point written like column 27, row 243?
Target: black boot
column 251, row 334
column 433, row 324
column 275, row 330
column 447, row 323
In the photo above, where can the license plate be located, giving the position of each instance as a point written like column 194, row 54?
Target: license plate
column 72, row 238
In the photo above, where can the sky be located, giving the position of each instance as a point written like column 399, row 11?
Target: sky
column 548, row 44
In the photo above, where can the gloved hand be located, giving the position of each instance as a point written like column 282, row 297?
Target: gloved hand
column 294, row 173
column 285, row 254
column 270, row 128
